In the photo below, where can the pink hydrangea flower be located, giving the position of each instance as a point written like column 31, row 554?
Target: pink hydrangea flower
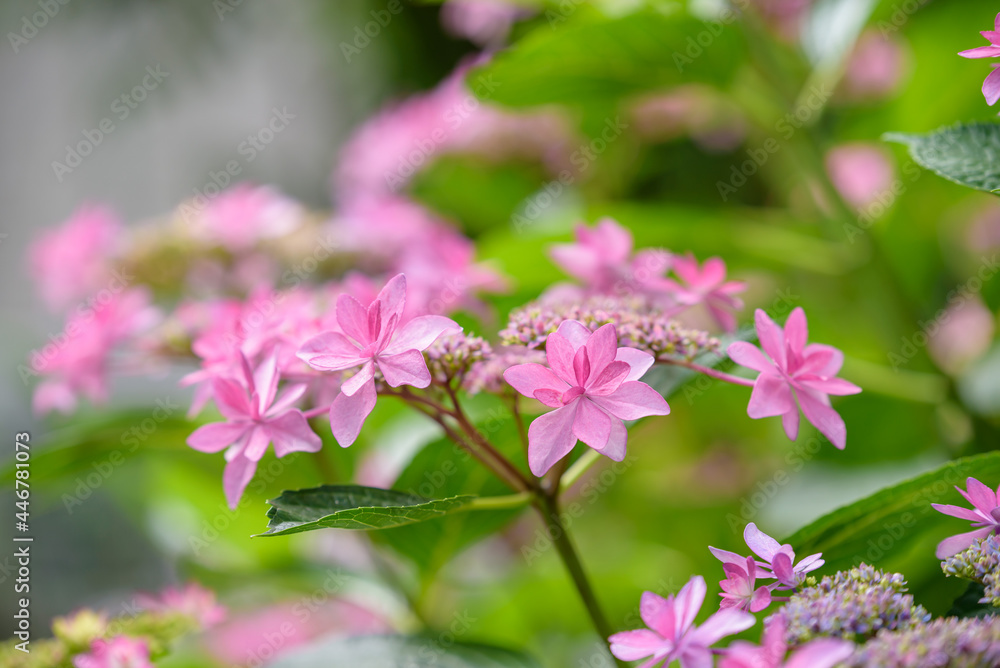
column 71, row 261
column 119, row 652
column 791, row 372
column 672, row 635
column 255, row 417
column 738, row 590
column 861, row 172
column 707, row 285
column 373, row 338
column 593, row 385
column 245, row 214
column 984, row 515
column 991, row 87
column 777, row 561
column 603, row 261
column 483, row 22
column 819, row 653
column 192, row 600
column 875, row 66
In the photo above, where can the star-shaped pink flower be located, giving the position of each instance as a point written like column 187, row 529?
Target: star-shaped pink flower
column 738, row 590
column 672, row 634
column 118, row 652
column 255, row 417
column 794, row 371
column 991, row 87
column 777, row 561
column 707, row 285
column 820, row 653
column 593, row 385
column 373, row 338
column 985, row 514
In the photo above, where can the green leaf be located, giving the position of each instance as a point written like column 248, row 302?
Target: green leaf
column 409, row 651
column 968, row 604
column 968, row 154
column 894, row 518
column 353, row 507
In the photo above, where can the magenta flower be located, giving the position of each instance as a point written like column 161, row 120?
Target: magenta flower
column 672, row 635
column 255, row 416
column 792, row 371
column 985, row 515
column 707, row 285
column 373, row 338
column 593, row 385
column 602, row 260
column 777, row 561
column 738, row 588
column 820, row 653
column 245, row 214
column 991, row 87
column 119, row 652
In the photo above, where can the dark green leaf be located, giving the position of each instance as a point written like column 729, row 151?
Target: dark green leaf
column 400, row 651
column 968, row 604
column 895, row 517
column 353, row 507
column 968, row 154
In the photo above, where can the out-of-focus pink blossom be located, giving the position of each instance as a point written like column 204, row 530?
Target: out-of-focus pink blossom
column 861, row 172
column 373, row 338
column 75, row 361
column 191, row 600
column 119, row 652
column 963, row 334
column 707, row 285
column 71, row 261
column 794, row 374
column 819, row 653
column 875, row 67
column 603, row 261
column 483, row 22
column 244, row 215
column 739, row 590
column 593, row 385
column 672, row 635
column 984, row 514
column 777, row 561
column 991, row 86
column 710, row 119
column 255, row 417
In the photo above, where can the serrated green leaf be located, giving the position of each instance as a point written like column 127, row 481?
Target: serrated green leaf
column 968, row 154
column 895, row 517
column 408, row 651
column 353, row 507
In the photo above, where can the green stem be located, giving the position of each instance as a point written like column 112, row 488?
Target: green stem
column 500, row 502
column 579, row 467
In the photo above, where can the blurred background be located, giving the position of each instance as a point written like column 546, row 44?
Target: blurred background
column 893, row 265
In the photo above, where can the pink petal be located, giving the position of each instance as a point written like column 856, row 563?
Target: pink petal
column 632, row 400
column 996, row 22
column 771, row 396
column 726, row 320
column 392, row 299
column 265, row 380
column 834, row 386
column 772, row 339
column 348, row 413
column 727, row 557
column 688, row 603
column 238, row 474
column 634, row 645
column 810, row 563
column 658, row 614
column 695, row 656
column 559, row 353
column 760, row 600
column 592, row 425
column 575, row 333
column 790, row 423
column 981, row 496
column 256, row 444
column 721, row 624
column 821, row 359
column 821, row 653
column 949, row 547
column 796, row 330
column 288, row 396
column 990, row 51
column 781, row 566
column 581, row 366
column 216, row 436
column 330, row 351
column 609, row 380
column 577, row 261
column 750, row 356
column 713, row 272
column 638, row 360
column 406, row 368
column 602, row 346
column 686, row 267
column 550, row 438
column 231, row 398
column 291, row 433
column 613, row 239
column 763, row 545
column 617, row 440
column 363, row 377
column 825, row 419
column 530, row 378
column 353, row 319
column 420, row 332
column 958, row 511
column 991, row 87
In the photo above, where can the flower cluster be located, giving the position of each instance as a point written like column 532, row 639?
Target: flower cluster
column 979, row 563
column 984, row 516
column 852, row 604
column 942, row 643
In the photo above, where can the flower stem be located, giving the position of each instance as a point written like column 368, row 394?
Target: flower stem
column 579, row 467
column 711, row 373
column 548, row 509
